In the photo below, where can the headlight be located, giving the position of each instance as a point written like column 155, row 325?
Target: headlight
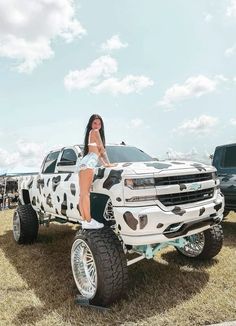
column 141, row 183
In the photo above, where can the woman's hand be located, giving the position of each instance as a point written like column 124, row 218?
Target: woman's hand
column 110, row 165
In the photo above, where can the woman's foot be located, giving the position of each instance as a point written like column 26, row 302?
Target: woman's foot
column 93, row 224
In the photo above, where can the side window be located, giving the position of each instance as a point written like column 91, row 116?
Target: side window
column 50, row 162
column 229, row 157
column 69, row 155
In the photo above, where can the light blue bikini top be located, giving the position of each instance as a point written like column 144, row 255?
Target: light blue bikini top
column 91, row 144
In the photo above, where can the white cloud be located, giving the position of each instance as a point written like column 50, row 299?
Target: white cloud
column 201, row 125
column 97, row 77
column 127, row 85
column 192, row 155
column 195, row 86
column 230, row 51
column 207, row 17
column 27, row 154
column 175, row 155
column 101, row 67
column 114, row 43
column 231, row 9
column 27, row 29
column 233, row 121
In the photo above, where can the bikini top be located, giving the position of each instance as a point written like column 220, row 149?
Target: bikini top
column 91, row 144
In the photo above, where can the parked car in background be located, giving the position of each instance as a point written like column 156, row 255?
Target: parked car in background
column 224, row 160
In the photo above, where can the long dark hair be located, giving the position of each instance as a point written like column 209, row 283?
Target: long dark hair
column 89, row 127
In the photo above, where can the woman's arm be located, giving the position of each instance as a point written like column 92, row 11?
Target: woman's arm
column 103, row 154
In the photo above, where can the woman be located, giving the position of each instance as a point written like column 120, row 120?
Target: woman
column 94, row 150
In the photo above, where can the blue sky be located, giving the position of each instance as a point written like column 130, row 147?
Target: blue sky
column 162, row 74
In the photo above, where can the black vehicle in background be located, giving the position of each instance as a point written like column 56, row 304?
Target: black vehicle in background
column 224, row 160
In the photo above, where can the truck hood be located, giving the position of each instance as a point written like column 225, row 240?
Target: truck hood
column 165, row 167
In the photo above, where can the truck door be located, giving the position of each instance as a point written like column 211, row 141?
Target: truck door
column 68, row 188
column 46, row 183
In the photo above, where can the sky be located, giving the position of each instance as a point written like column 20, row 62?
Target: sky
column 162, row 74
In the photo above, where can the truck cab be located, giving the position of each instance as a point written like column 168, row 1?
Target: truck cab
column 224, row 160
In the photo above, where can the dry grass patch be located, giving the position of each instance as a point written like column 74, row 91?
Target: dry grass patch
column 37, row 287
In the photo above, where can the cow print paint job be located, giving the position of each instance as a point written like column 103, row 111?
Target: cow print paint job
column 202, row 210
column 72, row 189
column 34, row 201
column 178, row 211
column 48, row 182
column 126, row 164
column 182, row 186
column 218, row 206
column 71, row 206
column 30, row 184
column 58, row 199
column 99, row 174
column 42, row 208
column 64, row 205
column 198, row 166
column 68, row 177
column 49, row 200
column 55, row 182
column 113, row 178
column 143, row 220
column 158, row 166
column 130, row 220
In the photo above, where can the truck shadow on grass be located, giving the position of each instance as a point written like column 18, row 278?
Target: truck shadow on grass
column 154, row 286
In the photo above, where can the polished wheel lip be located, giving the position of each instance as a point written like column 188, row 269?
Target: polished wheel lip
column 84, row 268
column 16, row 226
column 194, row 246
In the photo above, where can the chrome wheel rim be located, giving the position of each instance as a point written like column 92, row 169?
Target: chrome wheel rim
column 16, row 226
column 84, row 268
column 194, row 246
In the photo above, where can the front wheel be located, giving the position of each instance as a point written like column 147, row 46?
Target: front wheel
column 99, row 266
column 204, row 245
column 25, row 224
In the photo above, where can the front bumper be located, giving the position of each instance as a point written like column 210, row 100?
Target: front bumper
column 149, row 225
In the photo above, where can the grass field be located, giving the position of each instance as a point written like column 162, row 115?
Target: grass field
column 37, row 287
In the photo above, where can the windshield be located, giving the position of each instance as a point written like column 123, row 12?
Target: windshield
column 119, row 154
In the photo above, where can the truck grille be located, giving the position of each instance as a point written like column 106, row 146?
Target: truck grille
column 180, row 179
column 187, row 197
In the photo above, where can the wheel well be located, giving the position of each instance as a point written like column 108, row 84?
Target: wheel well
column 25, row 196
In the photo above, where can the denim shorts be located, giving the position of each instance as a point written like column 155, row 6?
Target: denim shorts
column 89, row 161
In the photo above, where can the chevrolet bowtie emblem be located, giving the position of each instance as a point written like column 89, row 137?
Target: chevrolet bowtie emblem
column 195, row 186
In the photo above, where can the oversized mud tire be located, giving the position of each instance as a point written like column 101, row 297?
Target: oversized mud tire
column 204, row 245
column 99, row 266
column 25, row 224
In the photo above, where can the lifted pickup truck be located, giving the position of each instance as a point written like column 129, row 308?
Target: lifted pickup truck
column 144, row 204
column 224, row 160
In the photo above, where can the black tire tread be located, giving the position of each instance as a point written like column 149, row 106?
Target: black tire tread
column 111, row 264
column 29, row 224
column 213, row 242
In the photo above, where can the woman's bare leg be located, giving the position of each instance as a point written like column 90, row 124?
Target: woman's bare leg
column 85, row 182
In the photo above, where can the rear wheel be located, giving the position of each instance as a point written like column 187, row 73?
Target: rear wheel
column 99, row 266
column 25, row 224
column 203, row 245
